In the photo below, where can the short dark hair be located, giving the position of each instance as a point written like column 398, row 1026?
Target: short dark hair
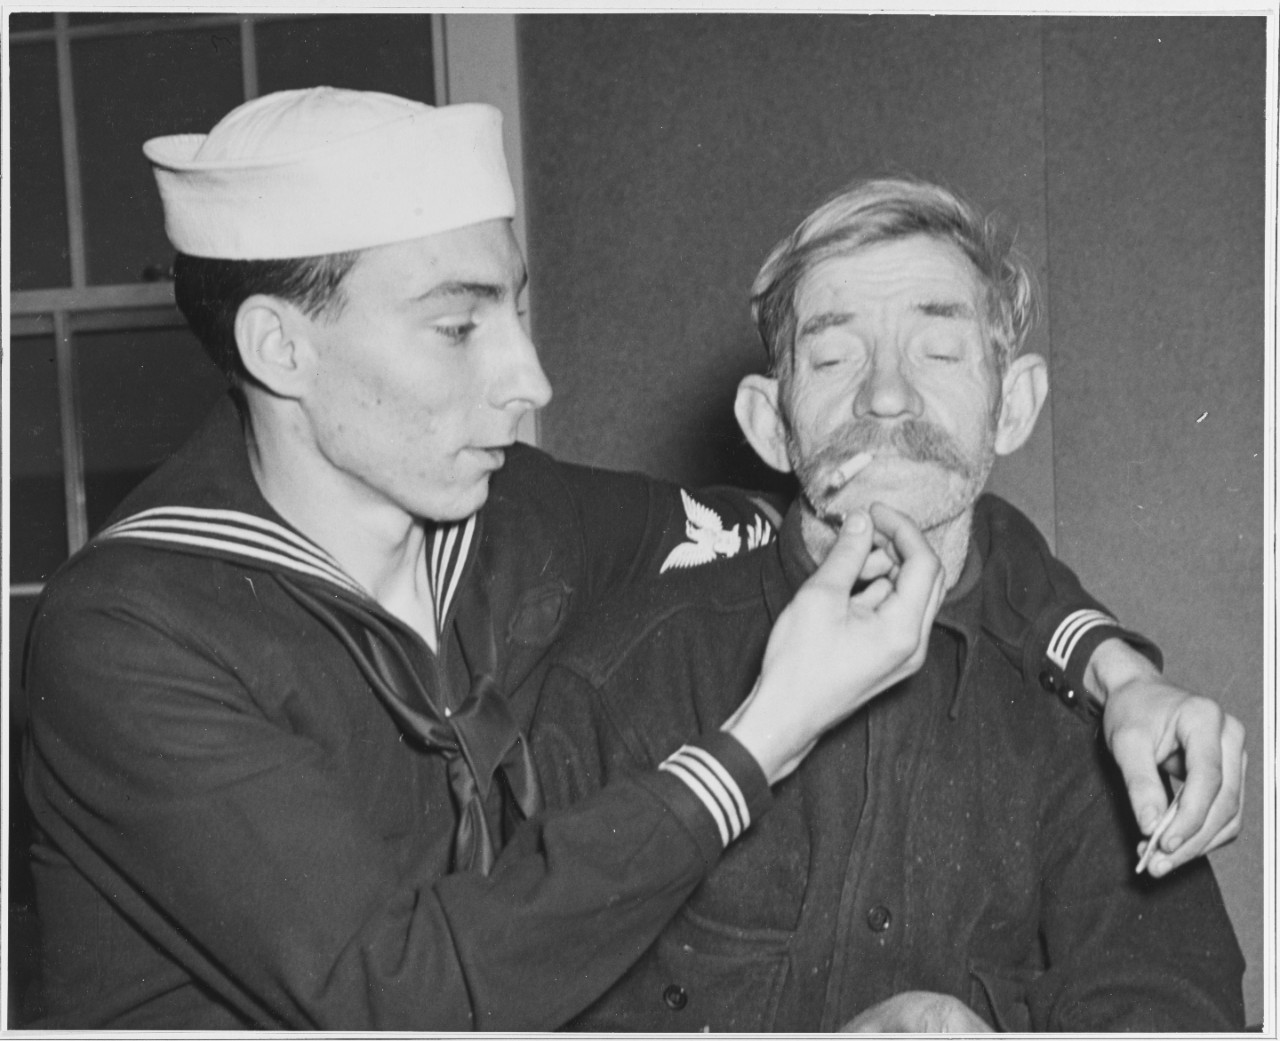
column 209, row 293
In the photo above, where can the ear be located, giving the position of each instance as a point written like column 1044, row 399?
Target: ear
column 271, row 338
column 760, row 418
column 1023, row 394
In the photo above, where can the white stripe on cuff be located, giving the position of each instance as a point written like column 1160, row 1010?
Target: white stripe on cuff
column 741, row 815
column 714, row 786
column 1068, row 633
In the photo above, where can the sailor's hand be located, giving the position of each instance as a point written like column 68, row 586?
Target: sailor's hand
column 1150, row 723
column 918, row 1012
column 832, row 650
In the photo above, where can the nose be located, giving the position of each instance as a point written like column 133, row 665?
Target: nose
column 886, row 392
column 522, row 386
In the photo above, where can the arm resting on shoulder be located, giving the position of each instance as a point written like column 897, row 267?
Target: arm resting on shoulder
column 1076, row 650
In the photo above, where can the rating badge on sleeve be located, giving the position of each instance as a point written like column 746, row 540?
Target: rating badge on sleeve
column 708, row 538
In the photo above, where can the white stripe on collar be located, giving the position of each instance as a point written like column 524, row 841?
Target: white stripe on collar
column 259, row 541
column 450, row 547
column 236, row 534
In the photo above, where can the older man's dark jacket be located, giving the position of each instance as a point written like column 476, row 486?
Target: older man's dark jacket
column 964, row 834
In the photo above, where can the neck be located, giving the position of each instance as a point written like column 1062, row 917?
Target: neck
column 377, row 543
column 948, row 539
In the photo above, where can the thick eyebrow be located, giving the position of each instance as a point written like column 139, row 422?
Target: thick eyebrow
column 494, row 291
column 820, row 322
column 929, row 308
column 447, row 290
column 945, row 309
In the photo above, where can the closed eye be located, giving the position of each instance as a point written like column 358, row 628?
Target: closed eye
column 832, row 348
column 455, row 332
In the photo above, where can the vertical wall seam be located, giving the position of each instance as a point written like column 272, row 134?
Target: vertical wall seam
column 1045, row 290
column 439, row 60
column 248, row 58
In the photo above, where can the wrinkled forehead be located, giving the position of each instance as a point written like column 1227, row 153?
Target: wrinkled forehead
column 910, row 273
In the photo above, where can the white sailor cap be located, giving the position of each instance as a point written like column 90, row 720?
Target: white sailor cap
column 305, row 172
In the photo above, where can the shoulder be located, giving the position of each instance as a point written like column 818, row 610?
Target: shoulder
column 108, row 575
column 120, row 609
column 620, row 528
column 1001, row 528
column 531, row 475
column 687, row 642
column 536, row 498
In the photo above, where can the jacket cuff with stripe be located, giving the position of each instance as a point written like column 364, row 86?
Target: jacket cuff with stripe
column 715, row 787
column 1062, row 641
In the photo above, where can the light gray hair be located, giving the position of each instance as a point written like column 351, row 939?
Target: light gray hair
column 872, row 211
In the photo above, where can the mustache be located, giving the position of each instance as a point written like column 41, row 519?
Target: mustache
column 914, row 439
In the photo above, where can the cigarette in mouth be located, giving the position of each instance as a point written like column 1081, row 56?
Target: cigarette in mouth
column 847, row 471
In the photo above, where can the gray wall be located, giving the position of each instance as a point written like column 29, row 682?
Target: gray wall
column 666, row 154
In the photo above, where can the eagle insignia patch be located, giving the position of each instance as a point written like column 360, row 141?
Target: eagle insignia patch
column 708, row 538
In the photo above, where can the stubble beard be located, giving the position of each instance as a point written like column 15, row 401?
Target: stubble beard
column 945, row 522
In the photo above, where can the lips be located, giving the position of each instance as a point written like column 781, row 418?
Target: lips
column 489, row 457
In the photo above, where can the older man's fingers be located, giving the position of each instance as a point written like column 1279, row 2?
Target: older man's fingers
column 1222, row 822
column 1212, row 750
column 1229, row 797
column 1231, row 831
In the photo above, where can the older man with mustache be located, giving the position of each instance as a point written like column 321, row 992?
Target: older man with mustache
column 959, row 855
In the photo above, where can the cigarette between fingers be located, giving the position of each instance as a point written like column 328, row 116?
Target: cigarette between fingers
column 1161, row 827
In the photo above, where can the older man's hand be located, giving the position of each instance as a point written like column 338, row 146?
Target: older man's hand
column 918, row 1012
column 832, row 650
column 1148, row 723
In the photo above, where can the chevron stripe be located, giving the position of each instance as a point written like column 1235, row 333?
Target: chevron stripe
column 1067, row 635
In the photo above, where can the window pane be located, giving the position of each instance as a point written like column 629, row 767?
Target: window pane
column 390, row 53
column 37, row 506
column 130, row 88
column 22, row 22
column 109, row 18
column 141, row 393
column 39, row 213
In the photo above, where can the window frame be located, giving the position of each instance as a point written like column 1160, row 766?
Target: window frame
column 474, row 59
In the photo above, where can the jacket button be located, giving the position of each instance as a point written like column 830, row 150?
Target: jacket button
column 879, row 919
column 676, row 997
column 1067, row 696
column 1049, row 681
